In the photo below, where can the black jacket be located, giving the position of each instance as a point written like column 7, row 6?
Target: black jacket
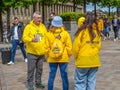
column 118, row 23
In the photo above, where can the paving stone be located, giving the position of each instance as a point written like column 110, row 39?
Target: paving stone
column 14, row 77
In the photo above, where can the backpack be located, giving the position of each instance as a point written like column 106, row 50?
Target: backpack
column 57, row 48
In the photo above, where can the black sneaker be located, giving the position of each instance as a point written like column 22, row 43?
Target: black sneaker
column 38, row 85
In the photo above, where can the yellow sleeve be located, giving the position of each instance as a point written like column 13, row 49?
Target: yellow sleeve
column 26, row 34
column 77, row 45
column 68, row 44
column 47, row 45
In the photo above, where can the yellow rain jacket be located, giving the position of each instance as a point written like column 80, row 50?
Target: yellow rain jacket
column 100, row 24
column 36, row 48
column 86, row 53
column 65, row 38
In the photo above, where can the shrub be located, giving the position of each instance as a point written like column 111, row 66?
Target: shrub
column 71, row 16
column 110, row 17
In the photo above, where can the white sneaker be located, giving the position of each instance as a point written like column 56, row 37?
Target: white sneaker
column 26, row 60
column 117, row 38
column 104, row 38
column 10, row 62
column 114, row 40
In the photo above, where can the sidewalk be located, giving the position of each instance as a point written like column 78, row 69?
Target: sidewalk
column 13, row 77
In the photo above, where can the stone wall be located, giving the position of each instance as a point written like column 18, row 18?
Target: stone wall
column 25, row 15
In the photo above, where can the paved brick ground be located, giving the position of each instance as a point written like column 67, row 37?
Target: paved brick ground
column 13, row 77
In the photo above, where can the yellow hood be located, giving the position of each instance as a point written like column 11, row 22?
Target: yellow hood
column 80, row 21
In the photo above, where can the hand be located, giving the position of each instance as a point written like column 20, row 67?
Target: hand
column 34, row 40
column 6, row 40
column 20, row 41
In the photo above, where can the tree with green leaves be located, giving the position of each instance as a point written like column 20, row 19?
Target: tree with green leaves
column 5, row 6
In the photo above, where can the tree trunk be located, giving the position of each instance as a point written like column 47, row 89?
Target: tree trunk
column 118, row 11
column 1, row 27
column 8, row 20
column 84, row 6
column 34, row 6
column 74, row 5
column 43, row 16
column 109, row 10
column 95, row 9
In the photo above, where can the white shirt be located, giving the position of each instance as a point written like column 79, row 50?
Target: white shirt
column 15, row 33
column 115, row 22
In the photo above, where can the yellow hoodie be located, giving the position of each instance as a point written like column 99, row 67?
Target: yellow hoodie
column 36, row 48
column 86, row 53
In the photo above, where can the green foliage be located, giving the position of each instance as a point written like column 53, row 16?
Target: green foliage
column 16, row 3
column 71, row 16
column 110, row 17
column 48, row 2
column 112, row 3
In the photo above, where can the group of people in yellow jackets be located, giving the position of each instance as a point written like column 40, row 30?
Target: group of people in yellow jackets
column 85, row 50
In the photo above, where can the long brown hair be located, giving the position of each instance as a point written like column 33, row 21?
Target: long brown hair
column 90, row 19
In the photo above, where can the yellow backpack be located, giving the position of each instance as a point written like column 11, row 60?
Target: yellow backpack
column 57, row 48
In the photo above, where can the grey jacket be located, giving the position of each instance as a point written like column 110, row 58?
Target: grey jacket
column 19, row 31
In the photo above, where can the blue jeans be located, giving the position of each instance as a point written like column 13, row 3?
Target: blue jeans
column 63, row 72
column 106, row 31
column 85, row 78
column 15, row 43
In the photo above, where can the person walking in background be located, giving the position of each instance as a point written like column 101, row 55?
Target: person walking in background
column 106, row 27
column 86, row 49
column 116, row 25
column 52, row 15
column 58, row 47
column 16, row 32
column 33, row 37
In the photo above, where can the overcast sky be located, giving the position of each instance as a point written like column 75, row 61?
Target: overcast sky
column 90, row 7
